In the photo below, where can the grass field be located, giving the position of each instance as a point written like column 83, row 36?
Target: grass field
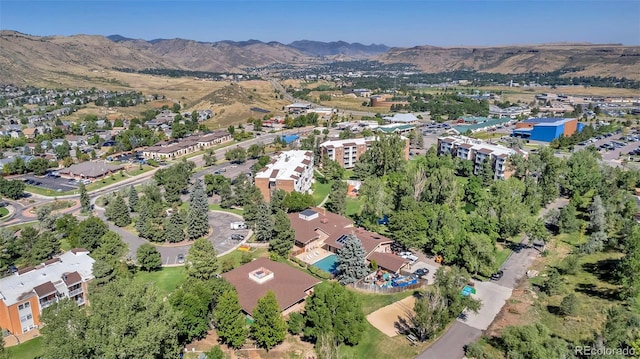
column 216, row 207
column 28, row 350
column 320, row 191
column 3, row 212
column 235, row 257
column 353, row 206
column 167, row 279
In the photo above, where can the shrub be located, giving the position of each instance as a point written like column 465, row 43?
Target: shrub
column 569, row 305
column 295, row 323
column 319, row 272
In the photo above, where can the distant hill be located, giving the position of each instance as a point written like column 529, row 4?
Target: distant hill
column 25, row 57
column 317, row 48
column 591, row 59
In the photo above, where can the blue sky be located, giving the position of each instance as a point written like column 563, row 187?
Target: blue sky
column 393, row 23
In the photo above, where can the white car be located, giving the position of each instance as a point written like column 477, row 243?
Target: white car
column 408, row 255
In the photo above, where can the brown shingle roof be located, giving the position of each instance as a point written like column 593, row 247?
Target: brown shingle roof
column 72, row 278
column 486, row 151
column 327, row 222
column 288, row 284
column 26, row 270
column 44, row 289
column 370, row 240
column 388, row 261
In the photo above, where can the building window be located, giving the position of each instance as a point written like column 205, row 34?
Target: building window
column 24, row 306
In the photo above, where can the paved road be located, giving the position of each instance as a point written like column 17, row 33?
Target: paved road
column 493, row 296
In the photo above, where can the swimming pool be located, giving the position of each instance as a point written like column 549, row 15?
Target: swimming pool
column 327, row 264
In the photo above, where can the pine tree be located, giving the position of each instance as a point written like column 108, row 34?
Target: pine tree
column 174, row 228
column 197, row 220
column 148, row 257
column 85, row 202
column 337, row 201
column 351, row 261
column 143, row 216
column 264, row 222
column 119, row 212
column 230, row 323
column 202, row 261
column 283, row 236
column 269, row 327
column 133, row 198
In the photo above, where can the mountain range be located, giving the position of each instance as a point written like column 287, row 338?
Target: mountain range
column 24, row 58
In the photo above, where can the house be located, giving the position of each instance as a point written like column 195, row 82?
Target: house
column 347, row 152
column 289, row 171
column 254, row 279
column 478, row 151
column 24, row 294
column 317, row 228
column 90, row 170
column 30, row 133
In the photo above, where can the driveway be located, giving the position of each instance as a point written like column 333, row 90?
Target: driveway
column 493, row 295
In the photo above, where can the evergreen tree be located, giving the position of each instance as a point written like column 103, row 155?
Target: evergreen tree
column 148, row 257
column 486, row 172
column 174, row 228
column 85, row 202
column 197, row 220
column 119, row 212
column 264, row 222
column 337, row 201
column 144, row 214
column 230, row 323
column 269, row 327
column 283, row 236
column 351, row 261
column 597, row 215
column 567, row 219
column 133, row 198
column 202, row 261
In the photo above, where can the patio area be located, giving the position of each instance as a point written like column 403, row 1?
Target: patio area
column 313, row 255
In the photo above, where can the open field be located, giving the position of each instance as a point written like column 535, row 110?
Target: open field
column 320, row 191
column 167, row 279
column 27, row 350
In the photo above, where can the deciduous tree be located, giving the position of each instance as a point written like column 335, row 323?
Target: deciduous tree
column 230, row 323
column 336, row 203
column 148, row 257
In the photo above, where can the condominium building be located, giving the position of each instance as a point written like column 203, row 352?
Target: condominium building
column 347, row 152
column 478, row 151
column 289, row 171
column 24, row 294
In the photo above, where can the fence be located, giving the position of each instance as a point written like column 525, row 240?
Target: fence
column 373, row 288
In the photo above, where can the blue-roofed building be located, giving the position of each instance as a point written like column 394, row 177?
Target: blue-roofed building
column 288, row 139
column 547, row 129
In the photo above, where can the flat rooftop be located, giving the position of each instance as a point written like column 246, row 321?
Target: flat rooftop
column 285, row 165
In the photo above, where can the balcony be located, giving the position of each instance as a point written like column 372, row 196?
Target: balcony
column 47, row 303
column 75, row 292
column 80, row 301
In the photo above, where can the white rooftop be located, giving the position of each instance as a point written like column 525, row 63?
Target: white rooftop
column 299, row 104
column 341, row 143
column 286, row 164
column 479, row 144
column 402, row 118
column 18, row 287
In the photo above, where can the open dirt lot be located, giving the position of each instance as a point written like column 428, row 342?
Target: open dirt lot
column 385, row 318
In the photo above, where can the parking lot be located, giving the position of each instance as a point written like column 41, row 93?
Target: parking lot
column 612, row 146
column 221, row 237
column 53, row 183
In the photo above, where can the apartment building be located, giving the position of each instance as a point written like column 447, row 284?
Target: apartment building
column 347, row 152
column 289, row 171
column 187, row 145
column 24, row 294
column 478, row 151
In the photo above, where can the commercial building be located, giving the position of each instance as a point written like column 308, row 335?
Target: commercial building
column 478, row 124
column 347, row 152
column 547, row 129
column 400, row 129
column 289, row 171
column 478, row 151
column 298, row 107
column 170, row 150
column 254, row 279
column 24, row 294
column 91, row 170
column 405, row 118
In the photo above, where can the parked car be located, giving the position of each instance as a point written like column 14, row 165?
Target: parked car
column 237, row 237
column 421, row 272
column 180, row 259
column 497, row 275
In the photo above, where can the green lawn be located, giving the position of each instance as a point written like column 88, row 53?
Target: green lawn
column 320, row 191
column 216, row 207
column 3, row 211
column 166, row 279
column 27, row 350
column 236, row 256
column 353, row 206
column 502, row 255
column 17, row 227
column 375, row 344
